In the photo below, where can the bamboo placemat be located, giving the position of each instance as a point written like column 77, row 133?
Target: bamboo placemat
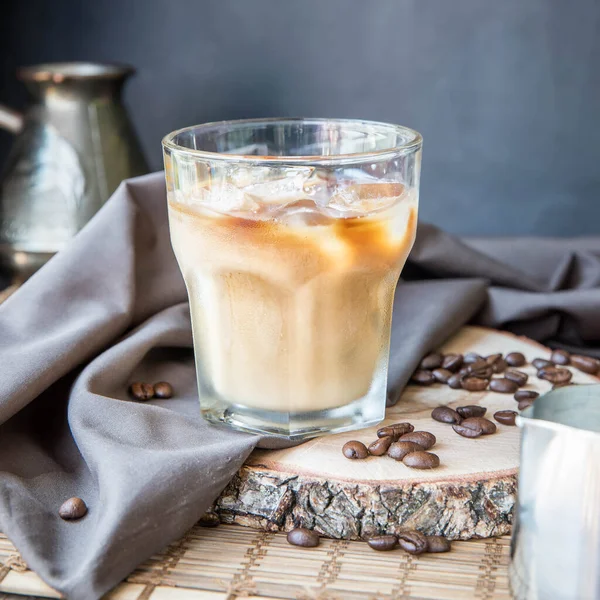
column 234, row 562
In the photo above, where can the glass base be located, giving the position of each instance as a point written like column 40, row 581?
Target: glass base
column 296, row 426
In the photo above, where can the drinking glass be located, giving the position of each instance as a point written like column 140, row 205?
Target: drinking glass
column 291, row 235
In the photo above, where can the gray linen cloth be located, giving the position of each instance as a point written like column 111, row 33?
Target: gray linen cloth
column 112, row 308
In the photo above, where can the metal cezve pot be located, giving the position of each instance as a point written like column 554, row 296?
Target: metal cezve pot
column 75, row 144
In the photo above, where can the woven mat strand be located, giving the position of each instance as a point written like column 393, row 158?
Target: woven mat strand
column 234, row 562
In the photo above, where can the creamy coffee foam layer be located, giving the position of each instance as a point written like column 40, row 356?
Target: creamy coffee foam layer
column 291, row 301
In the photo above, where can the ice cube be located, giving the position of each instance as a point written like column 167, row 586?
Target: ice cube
column 364, row 198
column 302, row 213
column 284, row 186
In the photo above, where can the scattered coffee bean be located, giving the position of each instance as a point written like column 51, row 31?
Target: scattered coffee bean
column 587, row 364
column 474, row 384
column 355, row 449
column 442, row 375
column 471, row 357
column 526, row 395
column 141, row 391
column 492, row 358
column 425, row 439
column 380, row 446
column 560, row 357
column 452, row 362
column 502, row 385
column 398, row 450
column 72, row 509
column 163, row 390
column 555, row 374
column 523, row 404
column 455, row 382
column 483, row 373
column 515, row 359
column 303, row 537
column 471, row 411
column 432, row 361
column 560, row 385
column 487, row 427
column 438, row 543
column 464, row 372
column 506, row 417
column 470, row 431
column 517, row 376
column 421, row 460
column 445, row 414
column 422, row 377
column 496, row 362
column 209, row 519
column 395, row 430
column 478, row 365
column 383, row 543
column 540, row 363
column 413, row 542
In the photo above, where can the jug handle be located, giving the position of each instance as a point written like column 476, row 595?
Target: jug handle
column 10, row 119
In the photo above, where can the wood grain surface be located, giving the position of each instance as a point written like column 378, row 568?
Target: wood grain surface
column 471, row 494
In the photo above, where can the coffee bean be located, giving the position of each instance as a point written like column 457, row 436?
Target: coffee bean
column 517, row 376
column 163, row 389
column 487, row 427
column 72, row 509
column 383, row 543
column 425, row 439
column 496, row 362
column 421, row 460
column 471, row 357
column 438, row 543
column 560, row 357
column 422, row 377
column 478, row 365
column 464, row 372
column 395, row 430
column 380, row 446
column 303, row 537
column 445, row 414
column 555, row 374
column 398, row 450
column 540, row 363
column 413, row 542
column 209, row 519
column 523, row 404
column 141, row 391
column 432, row 361
column 470, row 431
column 442, row 375
column 355, row 449
column 503, row 386
column 471, row 411
column 474, row 384
column 483, row 373
column 515, row 359
column 587, row 364
column 452, row 362
column 455, row 382
column 525, row 395
column 506, row 417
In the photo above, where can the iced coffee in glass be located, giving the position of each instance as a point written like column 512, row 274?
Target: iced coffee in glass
column 291, row 235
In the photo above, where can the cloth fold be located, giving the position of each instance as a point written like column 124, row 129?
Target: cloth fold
column 112, row 308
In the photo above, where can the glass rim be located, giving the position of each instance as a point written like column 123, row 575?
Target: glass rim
column 414, row 142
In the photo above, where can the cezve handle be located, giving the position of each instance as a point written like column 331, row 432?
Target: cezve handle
column 10, row 119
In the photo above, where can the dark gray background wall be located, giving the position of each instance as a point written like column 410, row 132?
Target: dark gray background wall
column 506, row 93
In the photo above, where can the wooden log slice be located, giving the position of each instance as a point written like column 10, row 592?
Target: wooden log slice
column 471, row 494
